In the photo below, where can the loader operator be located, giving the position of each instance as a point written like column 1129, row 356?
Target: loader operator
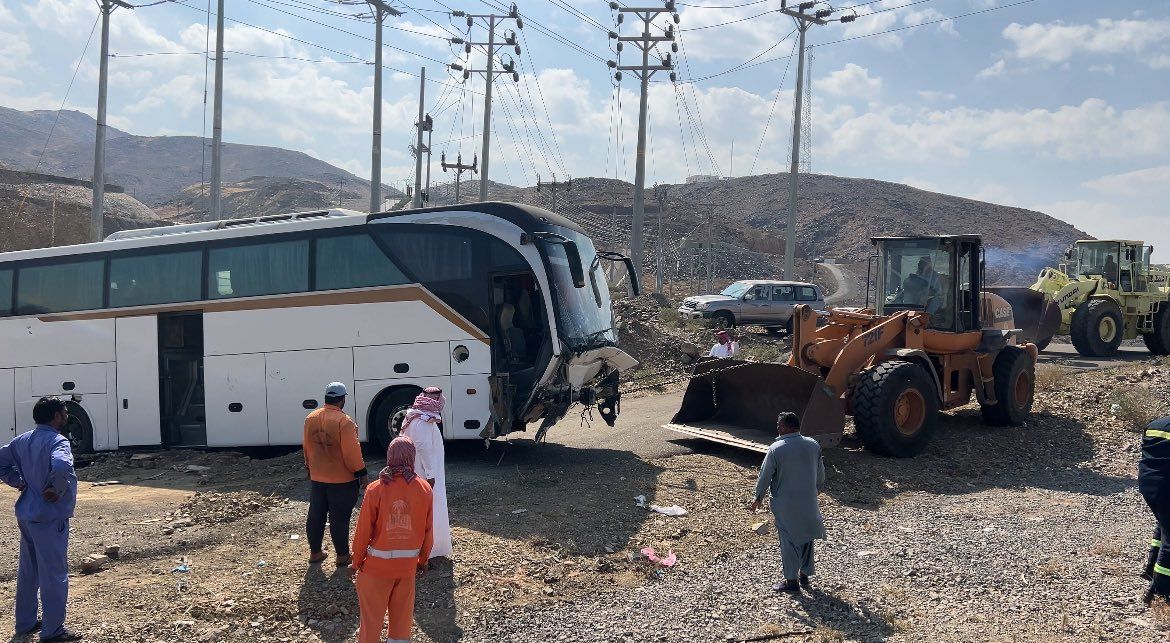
column 1154, row 485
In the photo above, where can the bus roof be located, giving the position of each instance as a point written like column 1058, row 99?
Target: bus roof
column 525, row 217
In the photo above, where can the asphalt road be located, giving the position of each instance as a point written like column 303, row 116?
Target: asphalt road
column 1066, row 355
column 845, row 285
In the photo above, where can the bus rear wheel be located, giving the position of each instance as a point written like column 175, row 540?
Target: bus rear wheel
column 79, row 429
column 387, row 417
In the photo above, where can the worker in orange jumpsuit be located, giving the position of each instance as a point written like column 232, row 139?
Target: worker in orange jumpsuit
column 391, row 544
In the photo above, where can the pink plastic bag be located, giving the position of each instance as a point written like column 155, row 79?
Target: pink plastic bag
column 669, row 561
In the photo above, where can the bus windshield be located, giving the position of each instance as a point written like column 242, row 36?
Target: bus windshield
column 584, row 315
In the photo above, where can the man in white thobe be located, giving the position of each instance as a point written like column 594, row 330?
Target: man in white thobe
column 423, row 424
column 727, row 346
column 793, row 472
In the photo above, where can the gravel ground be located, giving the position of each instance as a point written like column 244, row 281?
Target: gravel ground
column 1024, row 534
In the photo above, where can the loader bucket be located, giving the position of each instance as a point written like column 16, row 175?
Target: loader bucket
column 736, row 402
column 1036, row 315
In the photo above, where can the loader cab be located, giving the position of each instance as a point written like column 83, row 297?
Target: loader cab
column 939, row 275
column 1123, row 265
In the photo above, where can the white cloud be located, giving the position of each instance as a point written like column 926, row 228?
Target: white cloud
column 1149, row 182
column 1091, row 130
column 1161, row 61
column 1109, row 220
column 1106, row 69
column 936, row 96
column 853, row 80
column 1057, row 42
column 993, row 71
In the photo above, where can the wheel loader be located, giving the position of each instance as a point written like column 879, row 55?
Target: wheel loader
column 1104, row 294
column 932, row 337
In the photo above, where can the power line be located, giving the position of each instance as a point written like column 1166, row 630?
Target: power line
column 263, row 3
column 859, row 37
column 56, row 118
column 309, row 43
column 772, row 112
column 730, row 22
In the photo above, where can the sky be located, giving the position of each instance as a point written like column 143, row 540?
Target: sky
column 1062, row 106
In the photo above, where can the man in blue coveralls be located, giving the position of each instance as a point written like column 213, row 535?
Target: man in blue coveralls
column 39, row 463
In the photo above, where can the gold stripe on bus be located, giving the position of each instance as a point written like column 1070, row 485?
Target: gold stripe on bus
column 380, row 294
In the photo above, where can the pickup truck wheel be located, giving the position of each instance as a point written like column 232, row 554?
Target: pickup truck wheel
column 723, row 319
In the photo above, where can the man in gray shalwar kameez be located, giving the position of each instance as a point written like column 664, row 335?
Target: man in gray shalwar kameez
column 794, row 471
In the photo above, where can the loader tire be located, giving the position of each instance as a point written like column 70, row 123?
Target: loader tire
column 1158, row 342
column 1015, row 388
column 895, row 409
column 1097, row 328
column 1042, row 344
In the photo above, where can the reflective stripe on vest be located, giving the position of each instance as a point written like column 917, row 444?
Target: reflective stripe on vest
column 413, row 553
column 1155, row 543
column 1158, row 569
column 1155, row 433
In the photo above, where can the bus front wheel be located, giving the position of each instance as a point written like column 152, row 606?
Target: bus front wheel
column 387, row 418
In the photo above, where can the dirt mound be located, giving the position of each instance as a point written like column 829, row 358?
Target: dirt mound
column 667, row 345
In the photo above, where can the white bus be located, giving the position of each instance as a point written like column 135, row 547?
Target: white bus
column 225, row 334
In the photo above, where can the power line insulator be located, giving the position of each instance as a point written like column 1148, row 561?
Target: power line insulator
column 611, row 64
column 824, row 13
column 673, row 77
column 674, row 47
column 618, row 76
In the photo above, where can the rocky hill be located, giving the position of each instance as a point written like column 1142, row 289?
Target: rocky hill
column 153, row 169
column 837, row 217
column 37, row 210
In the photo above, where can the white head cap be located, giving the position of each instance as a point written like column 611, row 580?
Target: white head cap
column 335, row 389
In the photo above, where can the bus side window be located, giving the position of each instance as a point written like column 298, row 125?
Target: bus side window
column 271, row 268
column 5, row 292
column 155, row 279
column 60, row 287
column 354, row 261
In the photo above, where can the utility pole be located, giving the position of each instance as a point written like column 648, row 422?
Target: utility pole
column 643, row 72
column 553, row 185
column 803, row 22
column 381, row 10
column 430, row 131
column 459, row 168
column 489, row 72
column 661, row 193
column 217, row 123
column 423, row 125
column 710, row 240
column 97, row 213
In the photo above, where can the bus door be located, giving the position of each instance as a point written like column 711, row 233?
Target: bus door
column 136, row 347
column 180, row 367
